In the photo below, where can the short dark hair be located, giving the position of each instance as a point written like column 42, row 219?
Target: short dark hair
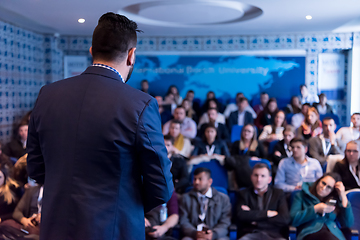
column 113, row 37
column 178, row 107
column 191, row 91
column 212, row 108
column 261, row 165
column 328, row 118
column 302, row 85
column 174, row 121
column 144, row 81
column 306, row 104
column 243, row 99
column 168, row 137
column 322, row 95
column 263, row 93
column 201, row 170
column 355, row 114
column 300, row 140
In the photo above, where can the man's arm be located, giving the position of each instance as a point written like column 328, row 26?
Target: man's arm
column 315, row 150
column 185, row 214
column 280, row 178
column 248, row 215
column 283, row 217
column 190, row 129
column 221, row 228
column 152, row 155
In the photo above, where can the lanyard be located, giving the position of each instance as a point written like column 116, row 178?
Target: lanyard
column 210, row 151
column 325, row 149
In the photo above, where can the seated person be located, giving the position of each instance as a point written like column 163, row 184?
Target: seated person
column 20, row 174
column 211, row 104
column 5, row 159
column 266, row 117
column 282, row 148
column 349, row 167
column 10, row 193
column 190, row 112
column 210, row 96
column 318, row 205
column 209, row 148
column 274, row 131
column 172, row 96
column 232, row 107
column 240, row 117
column 346, row 134
column 248, row 145
column 323, row 107
column 306, row 97
column 326, row 144
column 182, row 144
column 311, row 126
column 164, row 110
column 299, row 118
column 190, row 95
column 264, row 98
column 294, row 106
column 205, row 213
column 294, row 171
column 222, row 131
column 27, row 211
column 262, row 210
column 188, row 126
column 145, row 87
column 179, row 168
column 159, row 220
column 16, row 148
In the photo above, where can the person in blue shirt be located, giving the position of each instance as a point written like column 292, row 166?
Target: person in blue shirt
column 316, row 208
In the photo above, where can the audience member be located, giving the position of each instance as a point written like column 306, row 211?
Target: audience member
column 4, row 159
column 262, row 210
column 182, row 145
column 311, row 127
column 190, row 95
column 232, row 107
column 323, row 107
column 222, row 131
column 294, row 171
column 20, row 173
column 179, row 168
column 190, row 112
column 306, row 97
column 264, row 98
column 316, row 210
column 145, row 87
column 17, row 146
column 282, row 148
column 299, row 118
column 161, row 219
column 326, row 144
column 172, row 96
column 209, row 148
column 274, row 131
column 248, row 144
column 346, row 134
column 211, row 103
column 209, row 97
column 205, row 213
column 349, row 167
column 164, row 110
column 266, row 117
column 294, row 106
column 10, row 193
column 240, row 117
column 188, row 126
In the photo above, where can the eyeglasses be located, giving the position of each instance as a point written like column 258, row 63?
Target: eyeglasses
column 328, row 187
column 351, row 151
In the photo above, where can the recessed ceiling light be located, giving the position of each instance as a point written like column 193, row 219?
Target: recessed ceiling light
column 81, row 20
column 308, row 17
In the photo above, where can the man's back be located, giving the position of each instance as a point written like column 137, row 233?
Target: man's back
column 97, row 137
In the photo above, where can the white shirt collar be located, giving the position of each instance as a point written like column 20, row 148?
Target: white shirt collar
column 208, row 194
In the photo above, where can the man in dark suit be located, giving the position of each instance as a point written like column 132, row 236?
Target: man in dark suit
column 96, row 145
column 241, row 116
column 282, row 148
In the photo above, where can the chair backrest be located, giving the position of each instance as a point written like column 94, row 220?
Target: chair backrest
column 253, row 162
column 333, row 116
column 289, row 117
column 354, row 198
column 219, row 189
column 272, row 146
column 236, row 133
column 218, row 173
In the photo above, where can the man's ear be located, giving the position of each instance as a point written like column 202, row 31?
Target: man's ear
column 270, row 179
column 131, row 57
column 90, row 50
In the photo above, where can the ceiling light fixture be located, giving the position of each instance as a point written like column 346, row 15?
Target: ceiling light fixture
column 308, row 17
column 81, row 20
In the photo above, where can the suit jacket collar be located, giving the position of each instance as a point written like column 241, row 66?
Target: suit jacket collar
column 102, row 72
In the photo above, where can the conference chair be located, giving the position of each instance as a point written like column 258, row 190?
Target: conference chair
column 218, row 172
column 236, row 133
column 253, row 162
column 353, row 196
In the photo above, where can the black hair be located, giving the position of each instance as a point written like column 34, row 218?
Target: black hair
column 300, row 140
column 168, row 137
column 333, row 194
column 327, row 118
column 261, row 165
column 302, row 85
column 113, row 37
column 144, row 81
column 201, row 170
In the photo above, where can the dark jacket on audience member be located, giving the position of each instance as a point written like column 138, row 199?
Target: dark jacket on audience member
column 14, row 149
column 220, row 148
column 279, row 146
column 222, row 132
column 316, row 149
column 263, row 119
column 329, row 109
column 242, row 169
column 233, row 119
column 342, row 168
column 218, row 214
column 259, row 151
column 180, row 174
column 274, row 199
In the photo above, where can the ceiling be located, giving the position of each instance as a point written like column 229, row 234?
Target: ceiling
column 187, row 17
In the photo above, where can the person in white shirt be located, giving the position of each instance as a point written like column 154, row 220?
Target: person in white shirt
column 275, row 131
column 188, row 126
column 232, row 107
column 323, row 107
column 205, row 118
column 347, row 134
column 299, row 118
column 306, row 97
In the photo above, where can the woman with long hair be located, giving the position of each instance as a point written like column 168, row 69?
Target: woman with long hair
column 275, row 130
column 172, row 96
column 311, row 126
column 294, row 106
column 266, row 117
column 190, row 112
column 248, row 144
column 316, row 207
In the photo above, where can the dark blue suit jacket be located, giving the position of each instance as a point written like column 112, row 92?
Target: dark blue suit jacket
column 233, row 119
column 96, row 144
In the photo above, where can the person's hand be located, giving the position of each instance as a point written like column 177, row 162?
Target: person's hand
column 339, row 186
column 26, row 222
column 202, row 235
column 271, row 213
column 147, row 223
column 160, row 230
column 306, row 128
column 255, row 158
column 272, row 137
column 332, row 137
column 174, row 150
column 316, row 132
column 323, row 208
column 245, row 208
column 277, row 153
column 38, row 218
column 298, row 187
